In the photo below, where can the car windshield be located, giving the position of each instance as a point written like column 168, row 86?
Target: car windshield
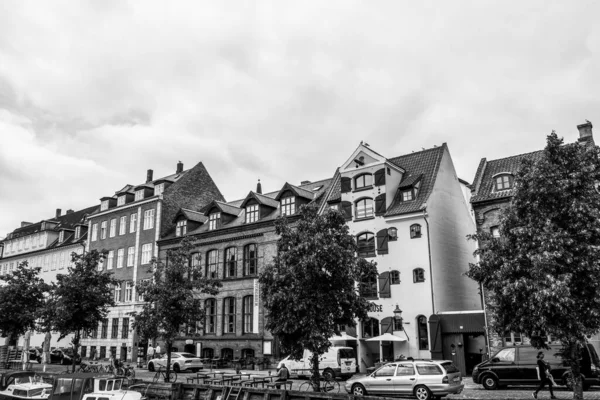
column 187, row 355
column 346, row 353
column 449, row 367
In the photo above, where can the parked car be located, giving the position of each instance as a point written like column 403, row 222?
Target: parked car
column 62, row 356
column 424, row 379
column 35, row 354
column 516, row 365
column 338, row 361
column 179, row 362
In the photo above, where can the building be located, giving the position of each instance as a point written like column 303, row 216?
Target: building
column 410, row 214
column 127, row 226
column 492, row 191
column 233, row 242
column 47, row 244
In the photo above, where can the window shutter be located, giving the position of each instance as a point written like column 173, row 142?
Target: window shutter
column 380, row 177
column 351, row 331
column 387, row 325
column 346, row 184
column 382, row 241
column 347, row 210
column 384, row 285
column 380, row 204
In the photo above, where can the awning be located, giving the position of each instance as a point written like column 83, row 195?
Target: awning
column 386, row 337
column 343, row 336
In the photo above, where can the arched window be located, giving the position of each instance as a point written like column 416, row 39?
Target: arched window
column 230, row 262
column 395, row 277
column 503, row 182
column 366, row 244
column 415, row 231
column 418, row 275
column 370, row 328
column 210, row 323
column 208, row 353
column 227, row 354
column 368, row 287
column 250, row 258
column 363, row 181
column 247, row 353
column 212, row 258
column 364, row 208
column 229, row 315
column 248, row 314
column 422, row 332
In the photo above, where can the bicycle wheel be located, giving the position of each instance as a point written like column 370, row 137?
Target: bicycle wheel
column 330, row 386
column 130, row 373
column 120, row 372
column 306, row 387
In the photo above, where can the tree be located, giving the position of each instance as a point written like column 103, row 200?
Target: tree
column 82, row 297
column 310, row 288
column 542, row 274
column 21, row 299
column 172, row 298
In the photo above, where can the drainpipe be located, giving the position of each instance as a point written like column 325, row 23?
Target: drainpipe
column 430, row 267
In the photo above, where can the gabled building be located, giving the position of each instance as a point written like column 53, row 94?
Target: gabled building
column 127, row 226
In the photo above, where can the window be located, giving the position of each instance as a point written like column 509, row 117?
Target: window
column 77, row 232
column 368, row 287
column 195, row 260
column 229, row 315
column 250, row 259
column 418, row 275
column 181, row 228
column 429, row 369
column 247, row 316
column 386, row 370
column 230, row 262
column 512, row 337
column 370, row 328
column 504, row 182
column 506, row 355
column 364, row 208
column 422, row 330
column 407, row 195
column 61, row 238
column 141, row 296
column 122, row 225
column 211, row 315
column 104, row 329
column 252, row 213
column 415, row 231
column 395, row 277
column 120, row 200
column 104, row 205
column 148, row 219
column 366, row 244
column 495, row 231
column 114, row 332
column 113, row 227
column 117, row 292
column 130, row 254
column 288, row 205
column 132, row 222
column 139, row 195
column 146, row 253
column 211, row 264
column 110, row 259
column 125, row 329
column 214, row 221
column 159, row 189
column 363, row 181
column 129, row 291
column 103, row 349
column 103, row 230
column 120, row 257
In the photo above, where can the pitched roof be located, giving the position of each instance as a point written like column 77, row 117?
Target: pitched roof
column 483, row 184
column 298, row 191
column 223, row 207
column 191, row 215
column 424, row 164
column 409, row 181
column 261, row 199
column 335, row 192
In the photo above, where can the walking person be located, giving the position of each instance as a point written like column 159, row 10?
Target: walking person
column 545, row 377
column 150, row 353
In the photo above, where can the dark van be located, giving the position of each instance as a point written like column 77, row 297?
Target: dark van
column 516, row 365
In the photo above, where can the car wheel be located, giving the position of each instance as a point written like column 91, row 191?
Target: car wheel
column 490, row 382
column 423, row 393
column 151, row 367
column 358, row 390
column 328, row 374
column 176, row 368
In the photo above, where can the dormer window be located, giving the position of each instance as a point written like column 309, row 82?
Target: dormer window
column 77, row 232
column 214, row 220
column 120, row 200
column 407, row 195
column 61, row 236
column 288, row 205
column 139, row 195
column 104, row 205
column 504, row 182
column 158, row 189
column 252, row 213
column 181, row 228
column 363, row 181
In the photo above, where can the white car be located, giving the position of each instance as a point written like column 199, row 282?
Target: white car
column 179, row 362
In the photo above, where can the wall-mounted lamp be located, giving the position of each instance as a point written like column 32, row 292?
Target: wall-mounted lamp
column 398, row 314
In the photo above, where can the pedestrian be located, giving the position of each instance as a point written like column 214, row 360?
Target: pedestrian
column 113, row 362
column 283, row 374
column 150, row 353
column 544, row 375
column 157, row 350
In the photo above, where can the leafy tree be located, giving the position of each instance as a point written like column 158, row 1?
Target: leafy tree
column 543, row 273
column 172, row 298
column 310, row 288
column 82, row 297
column 21, row 299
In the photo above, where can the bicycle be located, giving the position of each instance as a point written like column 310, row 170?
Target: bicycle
column 326, row 385
column 161, row 372
column 127, row 371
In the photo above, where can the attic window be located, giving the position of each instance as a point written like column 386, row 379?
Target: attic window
column 61, row 236
column 121, row 200
column 288, row 205
column 181, row 228
column 252, row 213
column 214, row 220
column 104, row 205
column 159, row 189
column 139, row 195
column 407, row 195
column 77, row 232
column 504, row 182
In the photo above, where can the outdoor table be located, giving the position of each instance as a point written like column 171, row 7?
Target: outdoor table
column 198, row 377
column 277, row 385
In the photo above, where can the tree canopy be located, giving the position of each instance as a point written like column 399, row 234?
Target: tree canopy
column 310, row 288
column 542, row 275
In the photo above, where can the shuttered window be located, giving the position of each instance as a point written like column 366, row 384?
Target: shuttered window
column 347, row 210
column 346, row 184
column 387, row 325
column 384, row 285
column 380, row 204
column 380, row 177
column 382, row 241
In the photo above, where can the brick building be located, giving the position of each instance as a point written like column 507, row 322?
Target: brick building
column 234, row 241
column 492, row 191
column 127, row 226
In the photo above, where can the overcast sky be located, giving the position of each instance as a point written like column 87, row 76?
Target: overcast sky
column 94, row 93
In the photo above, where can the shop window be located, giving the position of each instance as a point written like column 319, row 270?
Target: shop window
column 370, row 328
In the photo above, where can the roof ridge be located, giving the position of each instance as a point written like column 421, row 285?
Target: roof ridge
column 436, row 147
column 517, row 155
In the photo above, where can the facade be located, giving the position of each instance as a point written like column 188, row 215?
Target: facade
column 47, row 244
column 233, row 242
column 127, row 226
column 410, row 215
column 492, row 191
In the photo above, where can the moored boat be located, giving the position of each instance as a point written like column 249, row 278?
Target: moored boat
column 25, row 385
column 91, row 386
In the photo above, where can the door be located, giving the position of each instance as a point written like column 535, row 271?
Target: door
column 504, row 365
column 383, row 380
column 405, row 379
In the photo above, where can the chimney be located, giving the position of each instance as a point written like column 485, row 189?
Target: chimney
column 585, row 133
column 304, row 182
column 259, row 187
column 58, row 211
column 179, row 167
column 149, row 176
column 69, row 211
column 25, row 223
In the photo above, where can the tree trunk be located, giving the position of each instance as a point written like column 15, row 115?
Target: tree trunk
column 168, row 374
column 315, row 378
column 574, row 351
column 75, row 342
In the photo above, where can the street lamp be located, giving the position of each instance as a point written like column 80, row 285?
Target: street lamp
column 399, row 321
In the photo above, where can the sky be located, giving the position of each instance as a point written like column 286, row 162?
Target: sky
column 94, row 93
